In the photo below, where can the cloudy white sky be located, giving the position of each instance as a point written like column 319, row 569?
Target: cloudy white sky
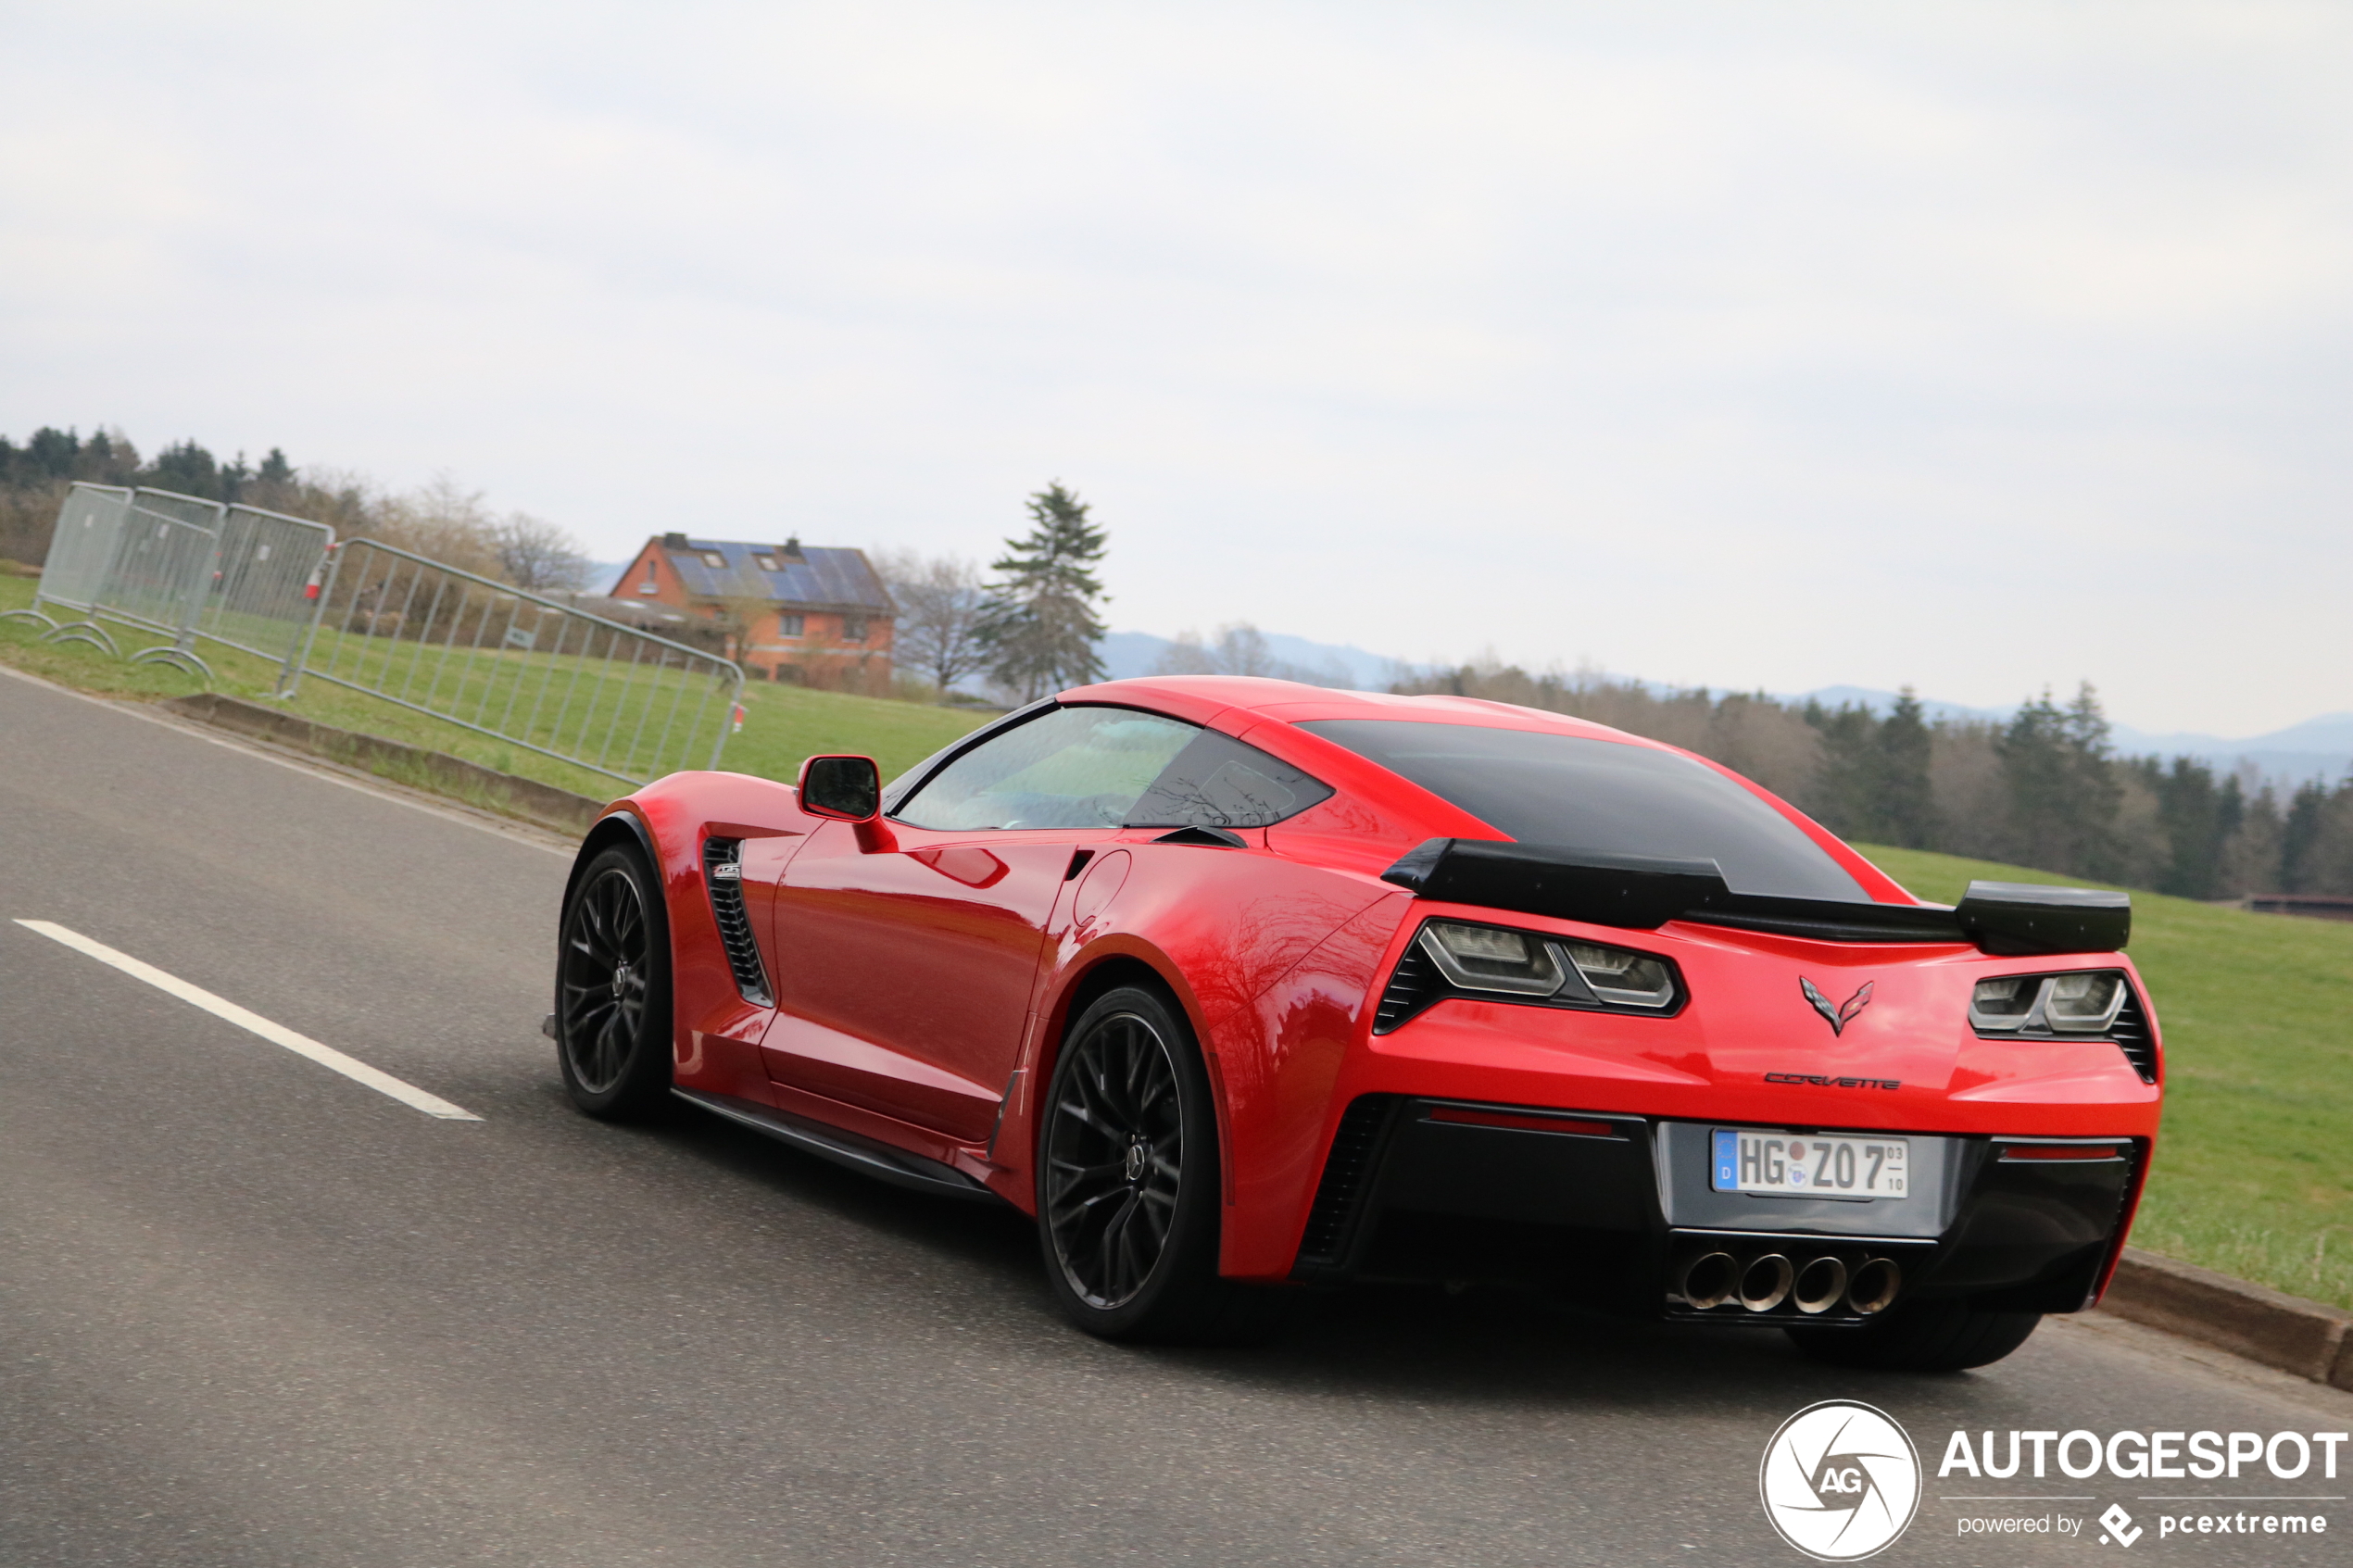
column 1979, row 346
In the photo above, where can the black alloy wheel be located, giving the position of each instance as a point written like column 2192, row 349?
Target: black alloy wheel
column 1128, row 1187
column 1115, row 1160
column 613, row 989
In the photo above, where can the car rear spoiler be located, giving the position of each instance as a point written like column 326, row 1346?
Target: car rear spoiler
column 1642, row 893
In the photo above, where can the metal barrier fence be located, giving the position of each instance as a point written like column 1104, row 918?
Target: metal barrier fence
column 137, row 558
column 80, row 549
column 509, row 664
column 162, row 561
column 463, row 648
column 265, row 584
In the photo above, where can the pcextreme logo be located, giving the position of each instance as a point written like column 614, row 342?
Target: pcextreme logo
column 1840, row 1481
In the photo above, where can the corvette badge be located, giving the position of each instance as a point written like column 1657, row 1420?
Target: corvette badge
column 1839, row 1017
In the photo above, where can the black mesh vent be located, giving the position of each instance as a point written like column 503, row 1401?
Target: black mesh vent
column 1413, row 986
column 735, row 926
column 2130, row 1033
column 1346, row 1172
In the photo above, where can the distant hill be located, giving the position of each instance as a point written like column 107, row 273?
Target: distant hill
column 1127, row 654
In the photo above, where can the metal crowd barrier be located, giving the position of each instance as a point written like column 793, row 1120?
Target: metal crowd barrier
column 183, row 566
column 513, row 665
column 265, row 584
column 136, row 557
column 162, row 569
column 526, row 669
column 81, row 548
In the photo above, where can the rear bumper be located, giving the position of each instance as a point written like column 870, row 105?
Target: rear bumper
column 1615, row 1209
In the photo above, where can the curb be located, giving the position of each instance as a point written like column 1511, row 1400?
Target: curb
column 2262, row 1324
column 527, row 798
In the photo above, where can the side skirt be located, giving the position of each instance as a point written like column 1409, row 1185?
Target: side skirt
column 868, row 1159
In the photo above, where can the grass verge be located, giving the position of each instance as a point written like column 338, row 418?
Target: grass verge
column 2252, row 1175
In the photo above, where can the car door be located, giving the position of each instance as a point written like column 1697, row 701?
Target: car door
column 906, row 951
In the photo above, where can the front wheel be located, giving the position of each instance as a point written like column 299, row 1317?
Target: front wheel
column 1921, row 1336
column 1128, row 1190
column 613, row 989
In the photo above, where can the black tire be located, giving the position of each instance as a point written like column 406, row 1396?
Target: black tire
column 1128, row 1191
column 613, row 989
column 1921, row 1336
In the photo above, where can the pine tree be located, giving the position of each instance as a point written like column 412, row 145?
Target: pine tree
column 1846, row 785
column 2064, row 792
column 1041, row 627
column 187, row 469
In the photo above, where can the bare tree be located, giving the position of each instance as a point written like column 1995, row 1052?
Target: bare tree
column 939, row 600
column 537, row 553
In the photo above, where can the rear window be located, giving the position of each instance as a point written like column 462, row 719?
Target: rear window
column 1577, row 793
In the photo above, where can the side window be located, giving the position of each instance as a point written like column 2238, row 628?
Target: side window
column 1068, row 767
column 1217, row 782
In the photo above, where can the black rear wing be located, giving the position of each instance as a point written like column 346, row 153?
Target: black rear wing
column 1642, row 893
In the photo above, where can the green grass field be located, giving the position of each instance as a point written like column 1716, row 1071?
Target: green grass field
column 2254, row 1170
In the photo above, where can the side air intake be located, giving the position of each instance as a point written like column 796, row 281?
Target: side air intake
column 722, row 873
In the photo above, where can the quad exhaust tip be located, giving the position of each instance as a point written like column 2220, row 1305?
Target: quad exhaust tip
column 1819, row 1286
column 1765, row 1284
column 1874, row 1286
column 1710, row 1280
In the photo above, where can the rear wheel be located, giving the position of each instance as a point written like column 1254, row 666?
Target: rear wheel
column 613, row 989
column 1921, row 1336
column 1128, row 1192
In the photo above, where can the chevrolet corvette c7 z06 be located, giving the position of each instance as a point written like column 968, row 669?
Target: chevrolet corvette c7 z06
column 1245, row 988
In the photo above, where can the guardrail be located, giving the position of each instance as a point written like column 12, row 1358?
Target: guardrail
column 504, row 662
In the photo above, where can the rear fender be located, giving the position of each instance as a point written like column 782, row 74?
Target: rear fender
column 1110, row 961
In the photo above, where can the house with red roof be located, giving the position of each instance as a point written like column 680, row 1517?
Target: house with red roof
column 815, row 617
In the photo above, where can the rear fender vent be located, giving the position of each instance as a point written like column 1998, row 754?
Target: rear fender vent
column 1347, row 1174
column 2132, row 1036
column 722, row 873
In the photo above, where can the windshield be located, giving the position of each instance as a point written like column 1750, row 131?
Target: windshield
column 1578, row 793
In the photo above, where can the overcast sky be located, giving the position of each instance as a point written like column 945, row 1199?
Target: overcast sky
column 1977, row 346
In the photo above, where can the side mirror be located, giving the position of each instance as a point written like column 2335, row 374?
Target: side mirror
column 846, row 788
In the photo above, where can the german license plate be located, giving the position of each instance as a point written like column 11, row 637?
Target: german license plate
column 1799, row 1165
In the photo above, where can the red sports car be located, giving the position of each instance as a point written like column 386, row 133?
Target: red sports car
column 1245, row 989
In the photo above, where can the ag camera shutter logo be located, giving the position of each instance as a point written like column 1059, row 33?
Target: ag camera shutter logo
column 1840, row 1481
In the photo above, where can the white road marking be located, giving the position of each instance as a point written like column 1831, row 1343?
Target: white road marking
column 276, row 1033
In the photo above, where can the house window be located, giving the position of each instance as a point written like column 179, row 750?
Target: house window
column 853, row 628
column 766, row 563
column 788, row 626
column 715, row 559
column 653, row 584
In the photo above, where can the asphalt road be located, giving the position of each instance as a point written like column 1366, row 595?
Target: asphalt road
column 254, row 1313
